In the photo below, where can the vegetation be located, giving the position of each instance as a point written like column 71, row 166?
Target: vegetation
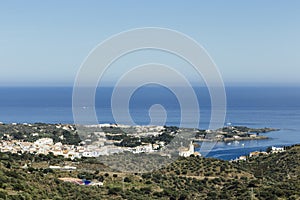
column 130, row 141
column 274, row 176
column 66, row 134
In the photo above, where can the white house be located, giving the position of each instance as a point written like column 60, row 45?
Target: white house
column 90, row 154
column 143, row 149
column 44, row 141
column 277, row 149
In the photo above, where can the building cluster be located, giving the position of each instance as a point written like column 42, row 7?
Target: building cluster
column 41, row 146
column 94, row 144
column 259, row 153
column 46, row 146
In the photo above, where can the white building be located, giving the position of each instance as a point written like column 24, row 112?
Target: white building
column 277, row 149
column 186, row 152
column 69, row 168
column 90, row 154
column 54, row 167
column 44, row 141
column 143, row 149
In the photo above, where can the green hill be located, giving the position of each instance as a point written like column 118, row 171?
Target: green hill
column 274, row 176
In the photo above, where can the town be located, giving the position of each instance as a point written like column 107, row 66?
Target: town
column 72, row 141
column 94, row 140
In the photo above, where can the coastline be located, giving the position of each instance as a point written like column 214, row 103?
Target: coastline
column 231, row 139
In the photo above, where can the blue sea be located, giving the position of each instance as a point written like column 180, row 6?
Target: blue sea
column 276, row 107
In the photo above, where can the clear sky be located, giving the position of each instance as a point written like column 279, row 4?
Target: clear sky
column 252, row 42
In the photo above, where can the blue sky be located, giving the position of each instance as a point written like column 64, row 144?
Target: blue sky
column 252, row 42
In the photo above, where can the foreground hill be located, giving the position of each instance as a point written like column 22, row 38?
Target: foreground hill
column 274, row 176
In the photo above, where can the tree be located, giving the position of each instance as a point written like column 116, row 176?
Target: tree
column 269, row 149
column 8, row 165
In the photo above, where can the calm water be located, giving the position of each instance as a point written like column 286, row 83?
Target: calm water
column 277, row 107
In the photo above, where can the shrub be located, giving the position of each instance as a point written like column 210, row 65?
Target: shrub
column 146, row 190
column 3, row 194
column 114, row 190
column 127, row 180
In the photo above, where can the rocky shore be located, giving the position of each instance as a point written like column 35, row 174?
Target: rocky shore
column 233, row 133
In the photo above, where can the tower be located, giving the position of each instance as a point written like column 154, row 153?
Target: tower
column 191, row 149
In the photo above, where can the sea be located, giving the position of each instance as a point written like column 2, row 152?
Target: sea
column 257, row 107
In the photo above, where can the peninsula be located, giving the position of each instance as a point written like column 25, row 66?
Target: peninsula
column 233, row 133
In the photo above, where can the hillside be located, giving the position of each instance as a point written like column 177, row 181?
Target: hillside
column 274, row 176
